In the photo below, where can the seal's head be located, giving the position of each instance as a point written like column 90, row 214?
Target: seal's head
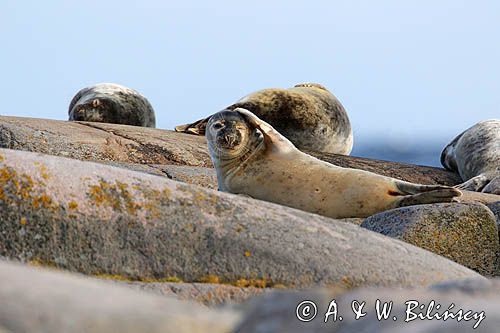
column 229, row 136
column 99, row 109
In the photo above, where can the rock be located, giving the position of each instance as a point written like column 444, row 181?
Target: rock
column 103, row 142
column 129, row 144
column 210, row 294
column 464, row 233
column 353, row 220
column 39, row 300
column 495, row 208
column 484, row 198
column 98, row 219
column 276, row 312
column 408, row 172
column 200, row 176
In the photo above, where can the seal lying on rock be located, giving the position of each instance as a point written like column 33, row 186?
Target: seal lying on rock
column 252, row 158
column 111, row 103
column 475, row 155
column 307, row 114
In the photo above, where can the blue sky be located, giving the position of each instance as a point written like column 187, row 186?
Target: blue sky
column 402, row 69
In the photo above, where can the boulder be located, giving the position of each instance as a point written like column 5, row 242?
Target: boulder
column 464, row 233
column 102, row 220
column 131, row 144
column 210, row 294
column 38, row 300
column 478, row 300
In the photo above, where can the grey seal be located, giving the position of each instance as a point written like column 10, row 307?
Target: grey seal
column 252, row 158
column 111, row 103
column 475, row 155
column 308, row 115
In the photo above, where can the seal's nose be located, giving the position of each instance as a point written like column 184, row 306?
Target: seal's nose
column 230, row 139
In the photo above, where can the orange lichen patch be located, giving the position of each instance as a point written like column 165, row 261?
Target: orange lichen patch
column 40, row 263
column 23, row 221
column 248, row 254
column 256, row 283
column 113, row 277
column 42, row 201
column 20, row 188
column 72, row 205
column 117, row 277
column 116, row 196
column 210, row 279
column 43, row 170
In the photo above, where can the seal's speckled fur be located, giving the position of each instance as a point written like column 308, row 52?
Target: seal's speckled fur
column 111, row 103
column 475, row 155
column 307, row 114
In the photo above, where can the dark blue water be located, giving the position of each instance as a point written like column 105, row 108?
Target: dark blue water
column 420, row 153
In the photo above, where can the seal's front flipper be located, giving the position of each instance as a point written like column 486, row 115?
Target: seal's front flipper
column 415, row 194
column 196, row 128
column 271, row 136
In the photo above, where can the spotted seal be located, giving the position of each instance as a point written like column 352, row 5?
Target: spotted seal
column 111, row 103
column 475, row 155
column 252, row 158
column 308, row 115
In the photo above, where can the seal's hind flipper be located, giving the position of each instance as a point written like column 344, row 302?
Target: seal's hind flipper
column 196, row 128
column 415, row 194
column 475, row 184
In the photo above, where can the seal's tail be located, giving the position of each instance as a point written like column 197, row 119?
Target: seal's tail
column 416, row 194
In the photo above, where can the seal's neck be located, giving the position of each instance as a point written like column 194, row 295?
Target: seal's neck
column 226, row 168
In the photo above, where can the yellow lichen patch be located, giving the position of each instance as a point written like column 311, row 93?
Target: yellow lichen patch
column 174, row 279
column 256, row 283
column 113, row 277
column 72, row 205
column 44, row 172
column 42, row 201
column 210, row 279
column 23, row 221
column 116, row 196
column 40, row 263
column 20, row 188
column 117, row 277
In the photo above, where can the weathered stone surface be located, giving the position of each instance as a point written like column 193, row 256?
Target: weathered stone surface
column 210, row 294
column 354, row 220
column 200, row 176
column 129, row 144
column 98, row 219
column 495, row 208
column 464, row 233
column 103, row 142
column 484, row 198
column 411, row 173
column 42, row 301
column 276, row 312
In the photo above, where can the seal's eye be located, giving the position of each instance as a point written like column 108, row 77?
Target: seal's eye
column 217, row 126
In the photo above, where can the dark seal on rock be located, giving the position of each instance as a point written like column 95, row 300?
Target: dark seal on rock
column 111, row 103
column 308, row 115
column 475, row 155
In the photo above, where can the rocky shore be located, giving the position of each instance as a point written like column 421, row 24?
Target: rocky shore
column 133, row 213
